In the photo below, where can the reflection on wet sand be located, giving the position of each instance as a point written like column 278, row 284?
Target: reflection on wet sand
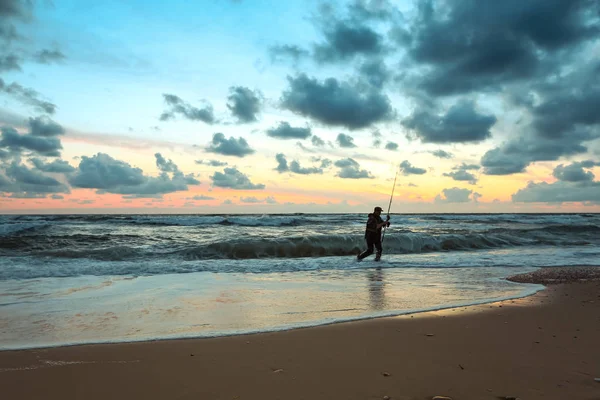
column 376, row 289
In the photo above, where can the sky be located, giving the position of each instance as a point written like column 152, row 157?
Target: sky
column 256, row 106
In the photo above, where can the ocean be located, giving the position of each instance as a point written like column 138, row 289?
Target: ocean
column 74, row 279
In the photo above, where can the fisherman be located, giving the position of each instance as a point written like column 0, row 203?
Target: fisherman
column 373, row 234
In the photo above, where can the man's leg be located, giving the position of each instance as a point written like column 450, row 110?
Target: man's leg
column 377, row 244
column 369, row 250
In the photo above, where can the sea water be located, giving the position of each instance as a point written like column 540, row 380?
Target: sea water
column 71, row 279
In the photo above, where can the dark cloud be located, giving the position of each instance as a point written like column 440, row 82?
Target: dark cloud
column 442, row 154
column 282, row 164
column 344, row 140
column 455, row 195
column 575, row 172
column 294, row 167
column 379, row 10
column 212, row 163
column 23, row 182
column 350, row 169
column 471, row 45
column 49, row 56
column 165, row 165
column 375, row 72
column 178, row 106
column 15, row 8
column 461, row 124
column 229, row 147
column 336, row 103
column 408, row 169
column 10, row 62
column 514, row 156
column 291, row 52
column 345, row 39
column 461, row 173
column 558, row 192
column 244, row 104
column 27, row 96
column 563, row 120
column 561, row 112
column 56, row 166
column 234, row 179
column 391, row 146
column 15, row 142
column 107, row 175
column 44, row 126
column 285, row 131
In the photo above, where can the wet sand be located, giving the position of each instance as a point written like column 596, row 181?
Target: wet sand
column 546, row 346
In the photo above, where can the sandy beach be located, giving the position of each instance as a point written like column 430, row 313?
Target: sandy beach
column 540, row 347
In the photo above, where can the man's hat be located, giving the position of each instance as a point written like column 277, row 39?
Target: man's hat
column 378, row 209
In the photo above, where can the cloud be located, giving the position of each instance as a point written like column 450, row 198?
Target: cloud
column 251, row 200
column 575, row 171
column 408, row 169
column 10, row 62
column 563, row 118
column 376, row 138
column 45, row 146
column 515, row 155
column 56, row 166
column 350, row 169
column 229, row 147
column 442, row 154
column 282, row 52
column 44, row 126
column 317, row 141
column 335, row 103
column 15, row 9
column 178, row 106
column 344, row 40
column 455, row 195
column 23, row 182
column 255, row 200
column 201, row 198
column 294, row 167
column 375, row 73
column 470, row 45
column 461, row 124
column 48, row 56
column 234, row 179
column 461, row 173
column 558, row 192
column 244, row 104
column 364, row 10
column 27, row 96
column 344, row 140
column 391, row 146
column 108, row 175
column 212, row 163
column 285, row 131
column 282, row 164
column 165, row 165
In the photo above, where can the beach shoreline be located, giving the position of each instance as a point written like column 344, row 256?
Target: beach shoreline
column 541, row 346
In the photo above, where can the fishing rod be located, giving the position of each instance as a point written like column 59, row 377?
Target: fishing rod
column 390, row 205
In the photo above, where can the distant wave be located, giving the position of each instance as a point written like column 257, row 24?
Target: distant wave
column 120, row 247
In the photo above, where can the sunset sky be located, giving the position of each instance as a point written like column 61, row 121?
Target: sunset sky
column 223, row 106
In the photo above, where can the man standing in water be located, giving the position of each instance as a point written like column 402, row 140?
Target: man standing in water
column 373, row 234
